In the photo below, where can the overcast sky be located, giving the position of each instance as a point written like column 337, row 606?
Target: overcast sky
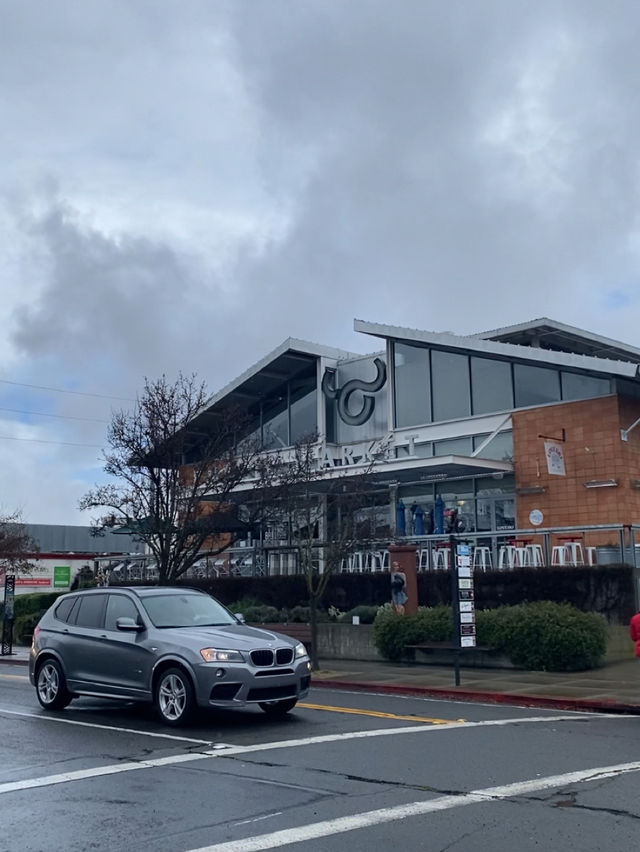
column 186, row 183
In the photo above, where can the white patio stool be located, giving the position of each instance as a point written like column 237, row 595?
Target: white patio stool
column 592, row 557
column 559, row 555
column 384, row 560
column 521, row 557
column 482, row 558
column 506, row 557
column 536, row 559
column 441, row 558
column 574, row 553
column 423, row 560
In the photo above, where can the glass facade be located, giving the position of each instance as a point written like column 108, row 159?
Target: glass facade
column 433, row 386
column 579, row 386
column 491, row 387
column 479, row 505
column 288, row 416
column 535, row 385
column 450, row 385
column 412, row 385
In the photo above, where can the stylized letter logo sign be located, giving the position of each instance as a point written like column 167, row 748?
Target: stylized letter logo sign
column 343, row 394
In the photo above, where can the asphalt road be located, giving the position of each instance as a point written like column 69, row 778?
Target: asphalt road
column 344, row 771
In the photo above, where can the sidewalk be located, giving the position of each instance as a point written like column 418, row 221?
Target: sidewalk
column 614, row 688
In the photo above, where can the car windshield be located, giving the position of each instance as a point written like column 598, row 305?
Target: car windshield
column 182, row 610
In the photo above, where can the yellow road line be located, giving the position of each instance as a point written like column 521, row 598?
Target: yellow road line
column 14, row 677
column 377, row 714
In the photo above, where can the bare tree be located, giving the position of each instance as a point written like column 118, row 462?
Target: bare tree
column 174, row 467
column 16, row 545
column 322, row 508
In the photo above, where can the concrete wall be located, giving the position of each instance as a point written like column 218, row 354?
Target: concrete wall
column 350, row 642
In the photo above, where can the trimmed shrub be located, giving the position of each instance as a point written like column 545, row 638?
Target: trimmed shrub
column 366, row 614
column 546, row 636
column 392, row 632
column 542, row 636
column 299, row 615
column 262, row 615
column 23, row 627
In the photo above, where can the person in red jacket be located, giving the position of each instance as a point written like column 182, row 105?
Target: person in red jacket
column 634, row 630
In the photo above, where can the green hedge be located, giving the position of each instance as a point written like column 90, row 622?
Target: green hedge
column 542, row 636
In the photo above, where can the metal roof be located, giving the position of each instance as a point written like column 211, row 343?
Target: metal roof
column 549, row 334
column 489, row 347
column 293, row 357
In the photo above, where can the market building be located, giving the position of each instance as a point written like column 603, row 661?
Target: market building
column 501, row 436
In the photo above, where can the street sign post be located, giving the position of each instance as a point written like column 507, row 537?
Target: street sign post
column 462, row 602
column 7, row 621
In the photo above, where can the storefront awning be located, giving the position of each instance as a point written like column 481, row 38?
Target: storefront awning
column 439, row 468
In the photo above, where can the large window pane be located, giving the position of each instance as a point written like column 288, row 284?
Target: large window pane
column 450, row 385
column 499, row 447
column 453, row 447
column 576, row 386
column 413, row 403
column 490, row 385
column 535, row 385
column 275, row 430
column 303, row 409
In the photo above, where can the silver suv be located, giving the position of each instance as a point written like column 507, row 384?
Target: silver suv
column 177, row 648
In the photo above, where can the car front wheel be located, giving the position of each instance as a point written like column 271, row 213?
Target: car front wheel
column 174, row 697
column 51, row 686
column 278, row 708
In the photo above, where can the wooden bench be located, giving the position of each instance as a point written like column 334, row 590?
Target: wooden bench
column 445, row 653
column 448, row 646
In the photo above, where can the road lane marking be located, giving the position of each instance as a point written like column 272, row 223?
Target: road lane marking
column 44, row 718
column 341, row 825
column 231, row 750
column 14, row 677
column 377, row 714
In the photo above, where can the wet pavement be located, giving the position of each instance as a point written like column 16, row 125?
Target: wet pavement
column 614, row 687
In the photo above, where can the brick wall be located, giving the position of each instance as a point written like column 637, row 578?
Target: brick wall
column 593, row 450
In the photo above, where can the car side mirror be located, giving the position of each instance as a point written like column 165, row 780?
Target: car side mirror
column 240, row 617
column 129, row 624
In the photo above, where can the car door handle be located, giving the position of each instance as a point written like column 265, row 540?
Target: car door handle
column 103, row 636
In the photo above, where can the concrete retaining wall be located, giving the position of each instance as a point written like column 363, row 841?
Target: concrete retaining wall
column 355, row 642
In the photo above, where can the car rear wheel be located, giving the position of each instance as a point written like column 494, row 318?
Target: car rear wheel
column 51, row 686
column 278, row 708
column 174, row 697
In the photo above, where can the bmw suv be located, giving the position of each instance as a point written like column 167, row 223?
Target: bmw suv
column 175, row 648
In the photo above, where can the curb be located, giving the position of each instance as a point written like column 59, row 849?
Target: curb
column 579, row 704
column 7, row 661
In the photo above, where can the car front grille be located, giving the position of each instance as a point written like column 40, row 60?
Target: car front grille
column 271, row 693
column 262, row 658
column 274, row 672
column 284, row 656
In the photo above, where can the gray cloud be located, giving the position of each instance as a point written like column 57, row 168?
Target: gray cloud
column 184, row 185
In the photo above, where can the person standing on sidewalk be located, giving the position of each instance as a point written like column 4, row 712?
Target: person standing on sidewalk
column 634, row 630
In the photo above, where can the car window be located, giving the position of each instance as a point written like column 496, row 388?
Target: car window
column 90, row 611
column 119, row 606
column 186, row 610
column 63, row 610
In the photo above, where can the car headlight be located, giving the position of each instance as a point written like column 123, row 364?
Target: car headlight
column 215, row 655
column 301, row 651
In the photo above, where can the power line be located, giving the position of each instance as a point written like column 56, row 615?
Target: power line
column 42, row 441
column 62, row 390
column 60, row 416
